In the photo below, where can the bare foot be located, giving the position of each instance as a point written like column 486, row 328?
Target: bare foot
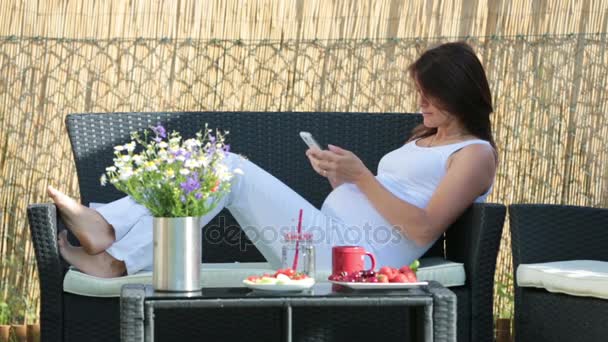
column 101, row 265
column 90, row 228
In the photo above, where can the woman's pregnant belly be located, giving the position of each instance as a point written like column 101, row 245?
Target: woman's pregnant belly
column 348, row 204
column 364, row 226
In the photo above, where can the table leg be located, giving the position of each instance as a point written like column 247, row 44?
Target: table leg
column 428, row 323
column 444, row 313
column 149, row 324
column 288, row 324
column 132, row 313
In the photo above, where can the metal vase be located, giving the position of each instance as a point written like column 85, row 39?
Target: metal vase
column 177, row 254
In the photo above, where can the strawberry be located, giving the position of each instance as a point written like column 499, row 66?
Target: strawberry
column 405, row 269
column 409, row 274
column 387, row 271
column 399, row 278
column 382, row 278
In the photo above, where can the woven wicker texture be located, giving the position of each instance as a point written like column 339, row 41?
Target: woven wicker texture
column 463, row 310
column 444, row 311
column 43, row 228
column 542, row 316
column 545, row 233
column 132, row 313
column 91, row 319
column 474, row 240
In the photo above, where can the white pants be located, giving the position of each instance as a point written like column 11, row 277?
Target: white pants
column 263, row 206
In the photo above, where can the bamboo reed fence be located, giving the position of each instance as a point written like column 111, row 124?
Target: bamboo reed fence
column 546, row 62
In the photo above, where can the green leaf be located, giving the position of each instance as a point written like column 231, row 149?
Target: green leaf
column 415, row 265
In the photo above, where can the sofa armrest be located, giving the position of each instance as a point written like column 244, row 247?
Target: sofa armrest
column 544, row 233
column 43, row 229
column 474, row 240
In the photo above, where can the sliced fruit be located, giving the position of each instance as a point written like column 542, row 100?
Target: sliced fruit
column 299, row 276
column 282, row 279
column 267, row 280
column 289, row 272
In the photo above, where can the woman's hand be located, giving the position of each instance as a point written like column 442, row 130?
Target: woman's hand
column 314, row 162
column 338, row 164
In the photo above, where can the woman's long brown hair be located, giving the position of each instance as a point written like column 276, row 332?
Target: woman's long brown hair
column 453, row 77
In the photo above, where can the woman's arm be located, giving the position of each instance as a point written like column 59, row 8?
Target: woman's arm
column 470, row 173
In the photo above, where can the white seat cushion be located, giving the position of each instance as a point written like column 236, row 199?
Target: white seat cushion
column 212, row 275
column 232, row 274
column 586, row 278
column 445, row 272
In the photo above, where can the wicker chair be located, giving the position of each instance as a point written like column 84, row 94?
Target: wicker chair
column 550, row 233
column 272, row 141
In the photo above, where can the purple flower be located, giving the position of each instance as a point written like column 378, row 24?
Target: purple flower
column 227, row 148
column 183, row 198
column 191, row 184
column 198, row 195
column 182, row 152
column 160, row 131
column 211, row 139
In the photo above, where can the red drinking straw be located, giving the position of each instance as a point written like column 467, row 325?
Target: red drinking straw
column 295, row 259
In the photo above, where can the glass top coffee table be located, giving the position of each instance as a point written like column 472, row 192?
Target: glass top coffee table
column 319, row 311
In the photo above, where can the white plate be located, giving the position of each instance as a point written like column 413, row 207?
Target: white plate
column 295, row 285
column 379, row 286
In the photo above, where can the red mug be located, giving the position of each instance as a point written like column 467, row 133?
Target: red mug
column 350, row 259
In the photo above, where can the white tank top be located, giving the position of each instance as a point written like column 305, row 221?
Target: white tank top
column 412, row 173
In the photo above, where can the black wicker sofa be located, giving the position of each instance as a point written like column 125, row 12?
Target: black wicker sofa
column 272, row 141
column 561, row 240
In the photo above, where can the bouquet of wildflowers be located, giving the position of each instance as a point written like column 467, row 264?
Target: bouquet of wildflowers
column 172, row 177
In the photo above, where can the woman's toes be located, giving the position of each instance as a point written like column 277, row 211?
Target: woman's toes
column 62, row 200
column 51, row 191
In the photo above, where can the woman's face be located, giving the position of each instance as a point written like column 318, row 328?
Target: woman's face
column 432, row 115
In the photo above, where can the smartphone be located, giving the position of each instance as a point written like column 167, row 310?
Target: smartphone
column 309, row 140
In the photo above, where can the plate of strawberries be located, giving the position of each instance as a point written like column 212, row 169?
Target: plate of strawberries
column 385, row 278
column 283, row 280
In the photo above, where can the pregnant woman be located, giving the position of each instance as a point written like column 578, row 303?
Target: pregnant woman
column 420, row 189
